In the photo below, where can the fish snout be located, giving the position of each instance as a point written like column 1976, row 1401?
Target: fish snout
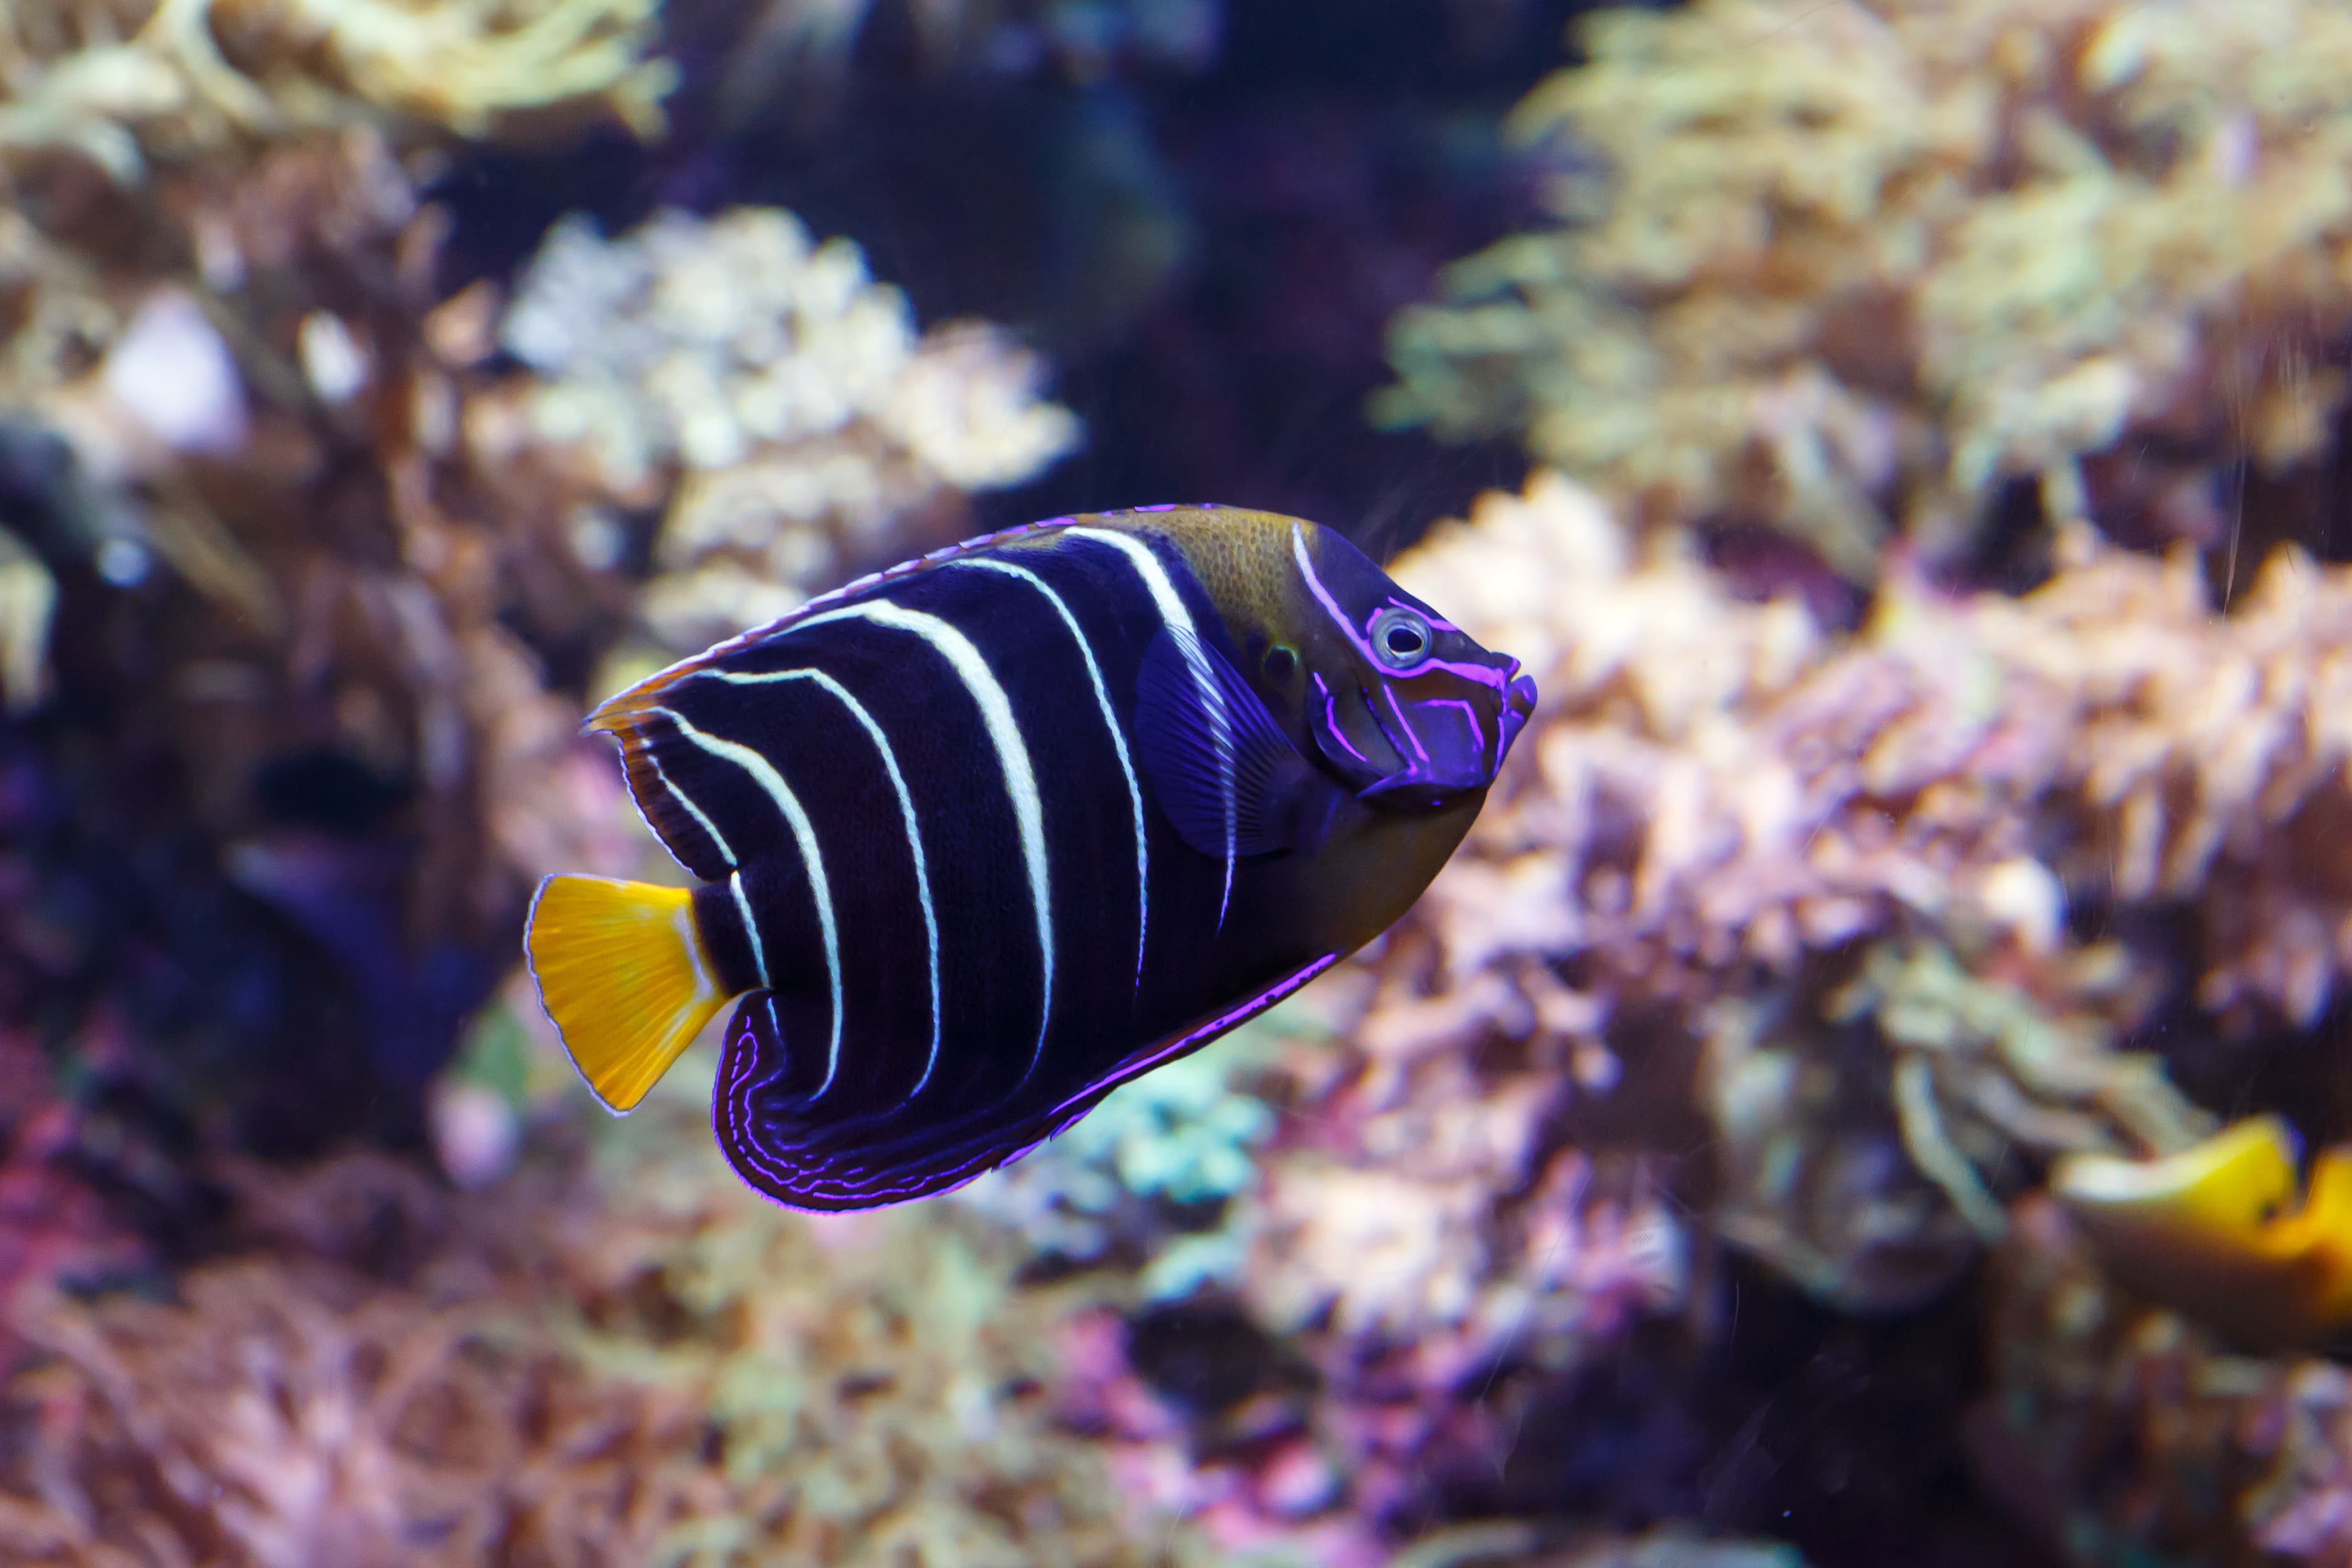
column 1518, row 706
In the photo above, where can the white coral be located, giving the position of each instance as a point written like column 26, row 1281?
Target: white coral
column 124, row 78
column 781, row 405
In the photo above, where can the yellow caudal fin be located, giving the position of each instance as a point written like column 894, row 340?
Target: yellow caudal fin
column 623, row 974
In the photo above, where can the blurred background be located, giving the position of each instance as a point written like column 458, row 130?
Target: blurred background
column 1905, row 439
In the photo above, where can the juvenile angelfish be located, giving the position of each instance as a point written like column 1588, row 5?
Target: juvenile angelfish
column 984, row 835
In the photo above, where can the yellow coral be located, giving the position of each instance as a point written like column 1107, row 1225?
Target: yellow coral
column 1854, row 264
column 121, row 78
column 459, row 63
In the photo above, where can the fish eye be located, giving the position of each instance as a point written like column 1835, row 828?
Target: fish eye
column 1279, row 662
column 1401, row 638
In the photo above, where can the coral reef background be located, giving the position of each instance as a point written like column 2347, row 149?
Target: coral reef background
column 1904, row 439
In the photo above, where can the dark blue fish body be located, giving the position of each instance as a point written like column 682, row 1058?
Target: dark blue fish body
column 987, row 835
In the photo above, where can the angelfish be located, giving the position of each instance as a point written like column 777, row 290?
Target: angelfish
column 984, row 835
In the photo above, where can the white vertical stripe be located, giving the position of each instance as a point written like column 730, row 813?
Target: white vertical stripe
column 1178, row 621
column 1348, row 629
column 750, row 925
column 1011, row 760
column 906, row 812
column 804, row 835
column 683, row 923
column 693, row 810
column 1118, row 741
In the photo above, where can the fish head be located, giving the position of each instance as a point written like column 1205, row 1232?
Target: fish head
column 1398, row 701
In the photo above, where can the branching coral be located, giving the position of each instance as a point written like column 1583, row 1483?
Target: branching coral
column 779, row 404
column 122, row 79
column 279, row 1416
column 1380, row 1232
column 1421, row 1209
column 1171, row 1149
column 55, row 1228
column 629, row 1360
column 243, row 466
column 245, row 439
column 1861, row 1132
column 1850, row 267
column 2208, row 760
column 1721, row 805
column 2125, row 1435
column 1712, row 786
column 1419, row 1285
column 878, row 1384
column 1420, row 1243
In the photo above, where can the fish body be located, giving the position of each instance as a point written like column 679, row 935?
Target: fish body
column 2217, row 1231
column 988, row 834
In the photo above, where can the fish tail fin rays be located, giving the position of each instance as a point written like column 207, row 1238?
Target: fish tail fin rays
column 624, row 976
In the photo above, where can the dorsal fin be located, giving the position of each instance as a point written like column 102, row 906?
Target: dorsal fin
column 663, row 767
column 668, row 776
column 618, row 712
column 615, row 711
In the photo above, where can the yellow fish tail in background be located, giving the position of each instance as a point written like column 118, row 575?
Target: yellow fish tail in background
column 623, row 973
column 2215, row 1232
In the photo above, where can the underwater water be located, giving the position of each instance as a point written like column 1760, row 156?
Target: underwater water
column 1868, row 1085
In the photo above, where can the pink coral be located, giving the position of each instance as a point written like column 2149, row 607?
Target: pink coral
column 1713, row 785
column 2109, row 1419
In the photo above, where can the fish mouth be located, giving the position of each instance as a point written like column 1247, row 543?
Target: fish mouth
column 1518, row 707
column 1413, row 788
column 1436, row 780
